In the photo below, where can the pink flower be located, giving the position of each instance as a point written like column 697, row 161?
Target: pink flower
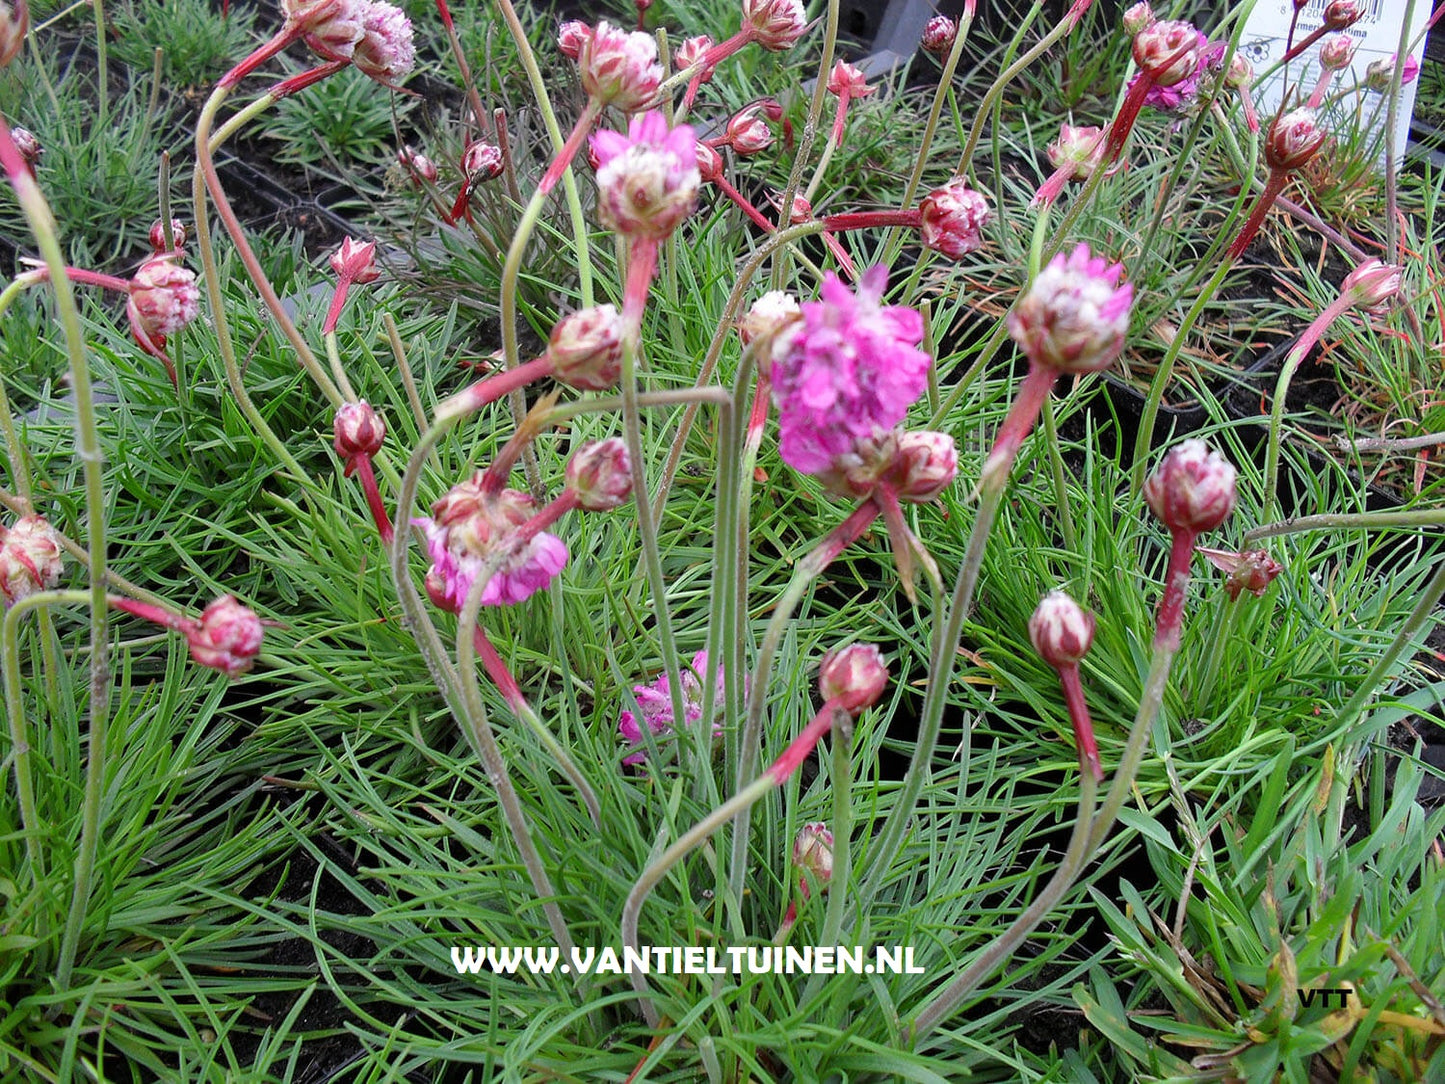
column 852, row 368
column 1075, row 315
column 938, row 35
column 163, row 299
column 1380, row 73
column 774, row 24
column 952, row 219
column 226, row 638
column 1193, row 488
column 30, row 558
column 469, row 527
column 856, row 674
column 647, row 180
column 655, row 701
column 570, row 36
column 586, row 348
column 386, row 51
column 619, row 67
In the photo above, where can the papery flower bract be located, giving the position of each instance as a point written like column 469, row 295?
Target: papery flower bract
column 655, row 701
column 938, row 35
column 1372, row 283
column 852, row 368
column 952, row 218
column 600, row 473
column 1379, row 74
column 585, row 348
column 163, row 298
column 647, row 180
column 1061, row 630
column 1075, row 316
column 1293, row 139
column 775, row 24
column 1081, row 148
column 1250, row 570
column 385, row 51
column 30, row 558
column 925, row 463
column 226, row 638
column 856, row 674
column 1192, row 489
column 856, row 473
column 619, row 67
column 848, row 79
column 330, row 27
column 747, row 133
column 570, row 36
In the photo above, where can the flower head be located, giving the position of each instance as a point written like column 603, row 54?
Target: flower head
column 1337, row 52
column 1137, row 18
column 163, row 299
column 28, row 144
column 1372, row 284
column 655, row 702
column 939, row 34
column 619, row 67
column 1379, row 74
column 813, row 851
column 748, row 133
column 417, row 165
column 775, row 24
column 926, row 463
column 647, row 180
column 227, row 637
column 1250, row 570
column 158, row 236
column 1170, row 97
column 1168, row 52
column 30, row 558
column 691, row 52
column 1061, row 630
column 482, row 161
column 1075, row 315
column 1343, row 14
column 330, row 27
column 855, row 675
column 355, row 261
column 14, row 23
column 357, row 430
column 600, row 473
column 1080, row 148
column 1192, row 490
column 1293, row 139
column 586, row 348
column 570, row 36
column 386, row 51
column 952, row 219
column 851, row 369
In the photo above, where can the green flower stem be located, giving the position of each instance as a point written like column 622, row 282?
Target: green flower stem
column 947, row 1000
column 1061, row 487
column 1008, row 76
column 841, row 782
column 1226, row 617
column 1392, row 150
column 15, row 450
column 87, row 448
column 333, row 354
column 613, row 403
column 1377, row 521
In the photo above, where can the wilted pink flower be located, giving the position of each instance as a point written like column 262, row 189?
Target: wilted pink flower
column 775, row 24
column 355, row 261
column 163, row 299
column 385, row 51
column 357, row 430
column 14, row 23
column 30, row 558
column 1250, row 570
column 1061, row 630
column 647, row 180
column 952, row 219
column 226, row 638
column 855, row 674
column 813, row 851
column 1168, row 52
column 1293, row 139
column 619, row 67
column 851, row 369
column 570, row 36
column 938, row 35
column 158, row 236
column 1075, row 315
column 926, row 463
column 1337, row 52
column 600, row 473
column 586, row 348
column 470, row 526
column 1370, row 285
column 655, row 701
column 419, row 166
column 1380, row 73
column 330, row 27
column 1192, row 489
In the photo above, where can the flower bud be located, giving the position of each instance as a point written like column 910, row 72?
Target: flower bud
column 1079, row 148
column 1137, row 18
column 355, row 261
column 227, row 638
column 647, row 181
column 1342, row 14
column 772, row 322
column 747, row 133
column 386, row 51
column 158, row 236
column 709, row 162
column 619, row 67
column 482, row 161
column 856, row 673
column 585, row 348
column 14, row 24
column 802, row 210
column 952, row 219
column 28, row 144
column 1061, row 630
column 1167, row 52
column 1075, row 315
column 1251, row 570
column 419, row 166
column 1370, row 285
column 848, row 81
column 1293, row 139
column 775, row 24
column 1337, row 52
column 1379, row 74
column 1192, row 489
column 600, row 473
column 1241, row 71
column 331, row 27
column 691, row 51
column 570, row 36
column 927, row 462
column 357, row 430
column 30, row 558
column 938, row 35
column 813, row 851
column 163, row 298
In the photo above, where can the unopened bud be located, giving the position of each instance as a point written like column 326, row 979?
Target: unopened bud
column 1343, row 14
column 1075, row 316
column 1137, row 18
column 1337, row 52
column 847, row 80
column 28, row 144
column 1371, row 284
column 1293, row 139
column 1241, row 71
column 1168, row 52
column 938, row 35
column 813, row 851
column 856, row 673
column 30, row 558
column 14, row 24
column 1192, row 490
column 355, row 261
column 357, row 430
column 600, row 473
column 747, row 133
column 570, row 36
column 775, row 24
column 227, row 638
column 482, row 161
column 586, row 348
column 1250, row 570
column 772, row 322
column 926, row 463
column 691, row 51
column 158, row 236
column 1061, row 630
column 419, row 166
column 952, row 219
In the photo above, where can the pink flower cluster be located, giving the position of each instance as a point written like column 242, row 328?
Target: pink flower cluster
column 655, row 702
column 852, row 369
column 647, row 180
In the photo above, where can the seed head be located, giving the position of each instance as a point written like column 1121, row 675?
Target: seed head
column 1192, row 490
column 1250, row 570
column 1061, row 630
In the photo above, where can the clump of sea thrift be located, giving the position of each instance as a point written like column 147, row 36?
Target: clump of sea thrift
column 1062, row 632
column 655, row 703
column 30, row 558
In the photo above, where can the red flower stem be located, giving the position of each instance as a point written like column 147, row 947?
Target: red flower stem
column 1314, row 36
column 758, row 415
column 1123, row 124
column 338, row 302
column 458, row 54
column 144, row 610
column 569, row 149
column 799, row 748
column 1017, row 425
column 497, row 670
column 862, row 220
column 1318, row 94
column 299, row 82
column 1050, row 189
column 845, row 261
column 743, row 202
column 839, row 117
column 1084, row 741
column 288, row 33
column 639, row 281
column 494, row 387
column 362, row 466
column 551, row 512
column 710, row 60
column 85, row 278
column 1176, row 586
column 1278, row 178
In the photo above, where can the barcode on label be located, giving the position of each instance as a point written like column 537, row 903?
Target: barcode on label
column 1315, row 9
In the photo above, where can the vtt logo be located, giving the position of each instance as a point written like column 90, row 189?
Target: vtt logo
column 1325, row 996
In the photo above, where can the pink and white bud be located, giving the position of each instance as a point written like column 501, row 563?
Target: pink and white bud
column 163, row 298
column 355, row 261
column 419, row 166
column 938, row 35
column 747, row 133
column 227, row 637
column 619, row 67
column 952, row 218
column 1192, row 490
column 30, row 558
column 801, row 211
column 1379, row 74
column 848, row 81
column 600, row 473
column 357, row 430
column 1343, row 14
column 1061, row 630
column 1372, row 284
column 386, row 51
column 1240, row 73
column 813, row 851
column 856, row 674
column 775, row 24
column 1337, row 52
column 570, row 36
column 772, row 322
column 647, row 180
column 330, row 27
column 158, row 236
column 1250, row 570
column 926, row 463
column 1167, row 52
column 1293, row 139
column 28, row 144
column 709, row 161
column 14, row 24
column 1081, row 149
column 691, row 52
column 585, row 348
column 482, row 161
column 1138, row 18
column 471, row 526
column 1075, row 316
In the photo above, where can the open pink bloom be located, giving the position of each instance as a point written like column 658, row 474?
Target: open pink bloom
column 1075, row 315
column 852, row 368
column 647, row 180
column 386, row 51
column 655, row 700
column 470, row 526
